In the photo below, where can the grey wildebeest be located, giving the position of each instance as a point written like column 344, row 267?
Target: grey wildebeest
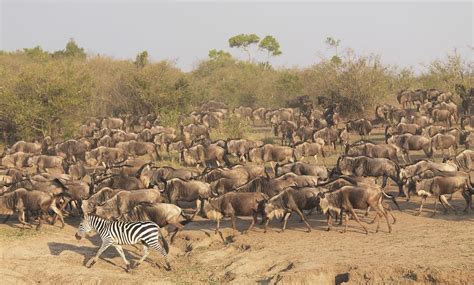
column 374, row 167
column 135, row 148
column 360, row 126
column 407, row 142
column 22, row 201
column 445, row 183
column 306, row 149
column 442, row 142
column 288, row 201
column 16, row 160
column 162, row 214
column 121, row 203
column 152, row 175
column 462, row 161
column 418, row 167
column 27, row 147
column 302, row 168
column 349, row 198
column 104, row 194
column 372, row 150
column 177, row 190
column 235, row 204
column 241, row 147
column 330, row 135
column 272, row 153
column 270, row 187
column 72, row 150
column 46, row 163
column 402, row 128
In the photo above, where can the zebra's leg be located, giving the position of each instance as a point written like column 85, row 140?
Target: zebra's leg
column 122, row 254
column 103, row 247
column 146, row 252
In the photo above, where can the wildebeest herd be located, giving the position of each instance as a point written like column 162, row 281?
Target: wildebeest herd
column 113, row 175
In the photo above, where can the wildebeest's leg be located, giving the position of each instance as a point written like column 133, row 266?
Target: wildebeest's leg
column 329, row 221
column 435, row 205
column 266, row 225
column 380, row 211
column 384, row 181
column 217, row 226
column 353, row 213
column 467, row 196
column 178, row 227
column 303, row 219
column 122, row 254
column 198, row 208
column 347, row 222
column 367, row 211
column 6, row 219
column 103, row 247
column 421, row 206
column 254, row 220
column 234, row 228
column 57, row 214
column 445, row 203
column 287, row 215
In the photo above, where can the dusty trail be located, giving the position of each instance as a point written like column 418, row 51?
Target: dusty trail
column 420, row 250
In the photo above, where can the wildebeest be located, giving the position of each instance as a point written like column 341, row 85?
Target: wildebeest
column 27, row 147
column 462, row 161
column 177, row 190
column 105, row 155
column 16, row 160
column 418, row 167
column 288, row 201
column 270, row 187
column 302, row 168
column 272, row 153
column 442, row 142
column 349, row 198
column 46, row 163
column 104, row 194
column 116, row 181
column 372, row 150
column 442, row 184
column 330, row 135
column 235, row 204
column 151, row 175
column 22, row 201
column 407, row 142
column 135, row 148
column 444, row 116
column 121, row 203
column 241, row 147
column 162, row 214
column 306, row 149
column 71, row 149
column 361, row 126
column 402, row 128
column 374, row 167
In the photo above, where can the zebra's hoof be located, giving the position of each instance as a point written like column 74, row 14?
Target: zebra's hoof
column 128, row 268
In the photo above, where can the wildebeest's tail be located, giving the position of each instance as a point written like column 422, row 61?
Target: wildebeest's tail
column 391, row 197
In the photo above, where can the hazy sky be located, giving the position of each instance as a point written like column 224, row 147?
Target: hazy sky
column 405, row 33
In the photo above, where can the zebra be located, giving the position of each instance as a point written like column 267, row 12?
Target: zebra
column 117, row 233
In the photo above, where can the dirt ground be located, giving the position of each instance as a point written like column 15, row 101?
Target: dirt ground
column 420, row 249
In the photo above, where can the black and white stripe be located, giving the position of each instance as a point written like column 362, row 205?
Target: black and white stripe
column 116, row 233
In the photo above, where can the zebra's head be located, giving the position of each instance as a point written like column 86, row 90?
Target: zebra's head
column 84, row 228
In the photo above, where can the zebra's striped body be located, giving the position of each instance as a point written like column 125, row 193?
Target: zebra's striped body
column 116, row 233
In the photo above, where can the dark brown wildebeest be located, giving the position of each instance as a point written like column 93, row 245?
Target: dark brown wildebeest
column 349, row 198
column 272, row 153
column 446, row 183
column 22, row 200
column 162, row 214
column 361, row 126
column 407, row 142
column 442, row 142
column 462, row 161
column 288, row 201
column 121, row 203
column 374, row 167
column 235, row 204
column 372, row 150
column 177, row 190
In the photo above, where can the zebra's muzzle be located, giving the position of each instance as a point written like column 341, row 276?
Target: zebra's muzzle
column 78, row 237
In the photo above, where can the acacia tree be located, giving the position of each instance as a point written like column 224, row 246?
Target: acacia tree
column 141, row 59
column 71, row 50
column 334, row 43
column 218, row 54
column 244, row 41
column 271, row 45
